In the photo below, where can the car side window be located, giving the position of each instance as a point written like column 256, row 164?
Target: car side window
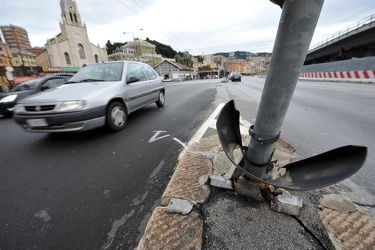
column 151, row 75
column 135, row 70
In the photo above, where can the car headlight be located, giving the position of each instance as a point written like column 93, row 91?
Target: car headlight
column 18, row 108
column 8, row 98
column 71, row 106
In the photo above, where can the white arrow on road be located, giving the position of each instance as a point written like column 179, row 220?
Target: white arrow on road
column 155, row 137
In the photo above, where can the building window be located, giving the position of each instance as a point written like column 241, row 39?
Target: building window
column 81, row 51
column 96, row 58
column 67, row 58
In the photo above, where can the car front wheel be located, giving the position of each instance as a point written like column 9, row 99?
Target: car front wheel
column 116, row 116
column 161, row 99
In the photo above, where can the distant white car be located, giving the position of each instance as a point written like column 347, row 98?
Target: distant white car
column 98, row 95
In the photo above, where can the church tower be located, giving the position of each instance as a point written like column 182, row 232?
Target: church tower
column 72, row 48
column 69, row 13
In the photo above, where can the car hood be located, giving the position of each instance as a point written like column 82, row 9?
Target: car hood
column 72, row 92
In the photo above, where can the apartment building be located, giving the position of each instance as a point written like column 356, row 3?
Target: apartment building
column 6, row 58
column 16, row 37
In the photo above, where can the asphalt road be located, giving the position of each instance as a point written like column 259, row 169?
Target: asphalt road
column 94, row 190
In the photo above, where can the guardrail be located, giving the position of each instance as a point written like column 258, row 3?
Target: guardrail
column 370, row 20
column 352, row 70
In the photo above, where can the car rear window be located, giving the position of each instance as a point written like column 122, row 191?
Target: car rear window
column 30, row 84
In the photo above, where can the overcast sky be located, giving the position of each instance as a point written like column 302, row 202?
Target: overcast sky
column 198, row 26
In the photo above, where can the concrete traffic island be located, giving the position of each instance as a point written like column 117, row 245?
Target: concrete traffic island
column 248, row 215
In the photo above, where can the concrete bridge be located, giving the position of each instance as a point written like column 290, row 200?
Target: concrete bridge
column 348, row 55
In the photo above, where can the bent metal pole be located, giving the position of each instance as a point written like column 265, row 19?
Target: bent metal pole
column 296, row 27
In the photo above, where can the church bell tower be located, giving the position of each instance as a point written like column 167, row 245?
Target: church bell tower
column 69, row 13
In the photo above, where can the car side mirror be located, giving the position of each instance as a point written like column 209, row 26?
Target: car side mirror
column 132, row 79
column 44, row 88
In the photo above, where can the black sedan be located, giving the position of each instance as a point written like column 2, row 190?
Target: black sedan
column 27, row 88
column 236, row 77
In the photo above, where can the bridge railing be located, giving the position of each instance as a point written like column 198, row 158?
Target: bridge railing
column 368, row 21
column 365, row 63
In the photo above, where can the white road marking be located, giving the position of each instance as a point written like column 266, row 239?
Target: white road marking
column 155, row 137
column 210, row 123
column 177, row 140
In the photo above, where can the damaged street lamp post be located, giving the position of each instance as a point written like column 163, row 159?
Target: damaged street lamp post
column 296, row 27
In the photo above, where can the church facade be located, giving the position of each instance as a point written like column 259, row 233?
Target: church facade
column 71, row 48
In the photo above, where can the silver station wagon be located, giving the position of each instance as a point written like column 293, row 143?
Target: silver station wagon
column 98, row 95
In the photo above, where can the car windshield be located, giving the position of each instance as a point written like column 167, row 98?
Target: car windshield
column 99, row 72
column 28, row 85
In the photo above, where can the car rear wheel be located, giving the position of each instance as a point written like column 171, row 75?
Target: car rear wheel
column 161, row 99
column 116, row 116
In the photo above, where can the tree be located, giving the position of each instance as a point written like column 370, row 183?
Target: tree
column 184, row 58
column 205, row 67
column 111, row 48
column 178, row 57
column 162, row 49
column 200, row 58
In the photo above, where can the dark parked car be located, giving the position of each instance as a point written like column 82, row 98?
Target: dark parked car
column 236, row 77
column 101, row 94
column 28, row 88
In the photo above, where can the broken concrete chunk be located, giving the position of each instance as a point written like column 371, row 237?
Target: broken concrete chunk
column 282, row 171
column 221, row 182
column 274, row 174
column 287, row 203
column 237, row 155
column 277, row 172
column 222, row 164
column 230, row 173
column 179, row 206
column 338, row 203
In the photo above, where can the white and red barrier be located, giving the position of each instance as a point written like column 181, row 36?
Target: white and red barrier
column 342, row 76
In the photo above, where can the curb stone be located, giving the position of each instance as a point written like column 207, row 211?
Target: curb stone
column 172, row 231
column 334, row 229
